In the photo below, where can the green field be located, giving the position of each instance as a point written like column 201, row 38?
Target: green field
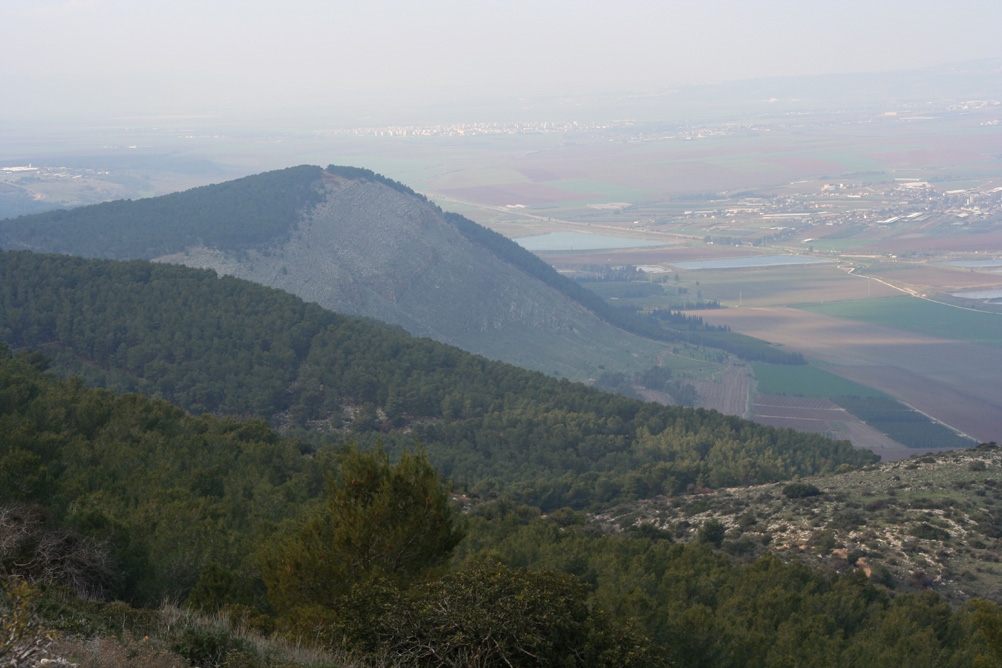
column 807, row 381
column 919, row 316
column 773, row 286
column 884, row 413
column 902, row 423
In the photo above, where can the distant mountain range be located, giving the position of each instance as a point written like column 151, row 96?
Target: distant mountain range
column 357, row 243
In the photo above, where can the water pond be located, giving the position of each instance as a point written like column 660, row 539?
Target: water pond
column 979, row 294
column 744, row 262
column 973, row 263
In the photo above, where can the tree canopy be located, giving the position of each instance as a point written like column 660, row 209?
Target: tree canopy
column 245, row 213
column 380, row 521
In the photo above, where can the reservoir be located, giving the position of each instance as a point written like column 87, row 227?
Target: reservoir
column 979, row 294
column 565, row 241
column 745, row 262
column 973, row 263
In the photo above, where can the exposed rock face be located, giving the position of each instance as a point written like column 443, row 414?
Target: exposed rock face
column 370, row 250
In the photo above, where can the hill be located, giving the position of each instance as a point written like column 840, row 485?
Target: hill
column 131, row 499
column 358, row 243
column 232, row 347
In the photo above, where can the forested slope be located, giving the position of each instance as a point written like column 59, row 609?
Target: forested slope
column 129, row 498
column 162, row 493
column 229, row 346
column 245, row 213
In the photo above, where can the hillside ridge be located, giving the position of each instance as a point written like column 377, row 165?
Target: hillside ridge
column 357, row 243
column 232, row 347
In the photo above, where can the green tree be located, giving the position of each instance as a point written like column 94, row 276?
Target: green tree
column 381, row 522
column 712, row 532
column 988, row 618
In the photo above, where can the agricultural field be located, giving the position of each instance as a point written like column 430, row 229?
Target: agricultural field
column 681, row 251
column 864, row 337
column 749, row 287
column 812, row 399
column 934, row 278
column 953, row 382
column 920, row 316
column 988, row 240
column 807, row 381
column 824, row 417
column 729, row 392
column 784, row 285
column 903, row 424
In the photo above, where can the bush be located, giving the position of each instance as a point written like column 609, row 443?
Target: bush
column 209, row 648
column 23, row 639
column 492, row 615
column 927, row 531
column 744, row 546
column 712, row 532
column 800, row 490
column 848, row 518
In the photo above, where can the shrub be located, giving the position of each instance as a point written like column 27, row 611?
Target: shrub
column 23, row 639
column 744, row 546
column 712, row 532
column 800, row 490
column 848, row 518
column 927, row 531
column 492, row 615
column 878, row 504
column 381, row 522
column 824, row 542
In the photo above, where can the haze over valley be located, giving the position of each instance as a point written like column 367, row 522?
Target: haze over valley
column 550, row 334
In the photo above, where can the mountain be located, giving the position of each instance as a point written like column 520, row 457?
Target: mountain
column 357, row 243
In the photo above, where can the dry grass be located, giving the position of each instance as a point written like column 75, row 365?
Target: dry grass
column 111, row 652
column 180, row 637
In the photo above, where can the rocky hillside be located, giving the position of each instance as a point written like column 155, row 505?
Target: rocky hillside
column 359, row 244
column 930, row 522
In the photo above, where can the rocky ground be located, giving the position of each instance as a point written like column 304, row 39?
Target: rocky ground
column 933, row 521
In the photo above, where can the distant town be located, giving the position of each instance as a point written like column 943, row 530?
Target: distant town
column 851, row 207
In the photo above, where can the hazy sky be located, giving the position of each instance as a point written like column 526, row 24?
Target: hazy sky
column 62, row 57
